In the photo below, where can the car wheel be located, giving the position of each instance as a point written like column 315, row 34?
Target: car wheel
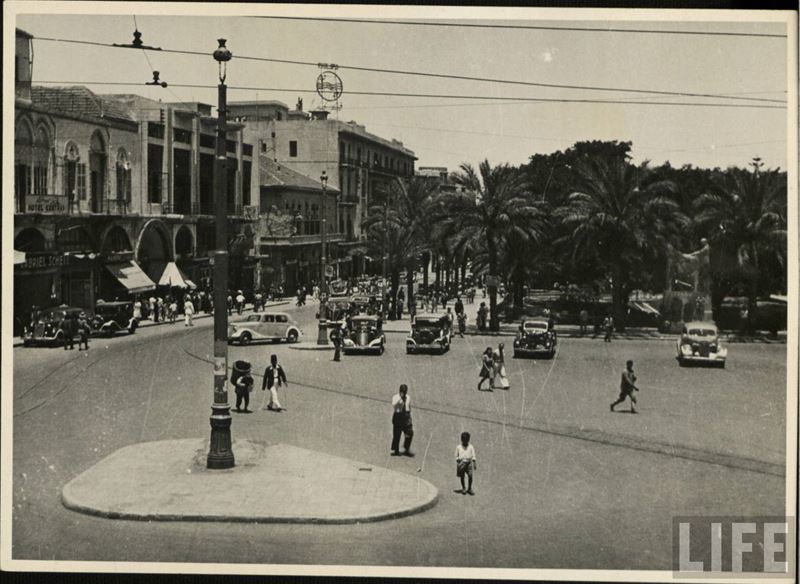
column 722, row 365
column 381, row 350
column 131, row 330
column 245, row 339
column 291, row 337
column 681, row 362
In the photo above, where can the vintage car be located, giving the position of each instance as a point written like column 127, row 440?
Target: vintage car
column 264, row 326
column 535, row 337
column 429, row 332
column 699, row 343
column 362, row 305
column 45, row 326
column 112, row 317
column 365, row 334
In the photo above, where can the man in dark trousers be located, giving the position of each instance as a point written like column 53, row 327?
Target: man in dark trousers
column 626, row 387
column 401, row 422
column 336, row 338
column 67, row 327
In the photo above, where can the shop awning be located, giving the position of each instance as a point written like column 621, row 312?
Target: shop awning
column 173, row 277
column 131, row 276
column 19, row 257
column 192, row 285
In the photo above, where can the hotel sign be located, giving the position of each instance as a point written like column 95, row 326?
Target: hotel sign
column 55, row 204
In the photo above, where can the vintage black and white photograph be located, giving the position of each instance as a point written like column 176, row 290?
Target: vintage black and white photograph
column 399, row 290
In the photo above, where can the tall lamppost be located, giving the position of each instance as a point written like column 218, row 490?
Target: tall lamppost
column 322, row 331
column 220, row 453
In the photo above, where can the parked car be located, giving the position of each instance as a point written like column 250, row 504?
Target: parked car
column 365, row 335
column 429, row 332
column 699, row 343
column 535, row 337
column 45, row 326
column 112, row 317
column 264, row 326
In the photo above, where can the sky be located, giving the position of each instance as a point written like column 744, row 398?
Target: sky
column 447, row 132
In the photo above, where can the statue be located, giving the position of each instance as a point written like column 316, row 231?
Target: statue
column 688, row 287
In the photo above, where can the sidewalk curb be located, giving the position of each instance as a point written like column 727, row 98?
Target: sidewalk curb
column 135, row 483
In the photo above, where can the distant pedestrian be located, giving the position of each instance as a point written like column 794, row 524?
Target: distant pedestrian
column 584, row 320
column 483, row 313
column 242, row 380
column 336, row 339
column 400, row 306
column 173, row 311
column 608, row 328
column 188, row 311
column 274, row 377
column 230, row 304
column 83, row 331
column 487, row 369
column 137, row 309
column 154, row 308
column 401, row 422
column 462, row 323
column 627, row 386
column 240, row 302
column 465, row 463
column 67, row 332
column 257, row 302
column 499, row 359
column 458, row 308
column 449, row 316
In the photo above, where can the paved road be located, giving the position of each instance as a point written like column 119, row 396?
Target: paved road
column 561, row 481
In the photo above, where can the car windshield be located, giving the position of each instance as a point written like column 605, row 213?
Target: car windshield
column 253, row 317
column 696, row 332
column 52, row 315
column 428, row 323
column 535, row 326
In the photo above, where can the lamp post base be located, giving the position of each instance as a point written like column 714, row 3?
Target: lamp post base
column 220, row 452
column 322, row 333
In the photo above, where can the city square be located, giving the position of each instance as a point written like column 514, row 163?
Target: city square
column 514, row 306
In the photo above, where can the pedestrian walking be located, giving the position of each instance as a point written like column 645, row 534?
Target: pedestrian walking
column 137, row 309
column 400, row 305
column 627, row 386
column 336, row 339
column 154, row 308
column 487, row 369
column 401, row 422
column 483, row 312
column 173, row 310
column 188, row 311
column 83, row 331
column 239, row 302
column 230, row 304
column 608, row 327
column 67, row 332
column 462, row 323
column 274, row 377
column 584, row 320
column 499, row 359
column 465, row 463
column 449, row 316
column 458, row 307
column 242, row 381
column 257, row 302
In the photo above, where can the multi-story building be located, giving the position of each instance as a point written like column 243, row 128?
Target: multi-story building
column 110, row 189
column 360, row 165
column 290, row 227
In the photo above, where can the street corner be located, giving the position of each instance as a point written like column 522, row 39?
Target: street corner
column 271, row 483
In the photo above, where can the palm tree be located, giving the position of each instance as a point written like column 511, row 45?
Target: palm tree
column 746, row 215
column 400, row 228
column 494, row 207
column 622, row 219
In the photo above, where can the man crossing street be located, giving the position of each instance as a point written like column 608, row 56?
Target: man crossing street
column 626, row 387
column 401, row 422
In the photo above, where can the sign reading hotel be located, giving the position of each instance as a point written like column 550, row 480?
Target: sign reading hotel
column 46, row 204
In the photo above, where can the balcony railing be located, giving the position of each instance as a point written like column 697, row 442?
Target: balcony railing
column 116, row 206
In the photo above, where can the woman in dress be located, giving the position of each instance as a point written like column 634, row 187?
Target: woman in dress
column 499, row 359
column 487, row 369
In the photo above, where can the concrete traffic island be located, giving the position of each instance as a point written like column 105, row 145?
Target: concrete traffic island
column 277, row 483
column 311, row 346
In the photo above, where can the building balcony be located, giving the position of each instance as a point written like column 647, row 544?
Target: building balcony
column 297, row 240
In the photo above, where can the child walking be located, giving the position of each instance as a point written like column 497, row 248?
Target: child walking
column 465, row 463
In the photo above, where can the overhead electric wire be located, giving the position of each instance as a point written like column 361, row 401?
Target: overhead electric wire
column 445, row 96
column 526, row 27
column 444, row 75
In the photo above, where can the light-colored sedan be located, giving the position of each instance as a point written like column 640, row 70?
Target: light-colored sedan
column 264, row 326
column 699, row 343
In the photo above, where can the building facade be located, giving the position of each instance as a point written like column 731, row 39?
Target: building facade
column 103, row 183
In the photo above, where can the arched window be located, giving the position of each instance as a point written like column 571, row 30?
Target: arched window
column 123, row 176
column 42, row 153
column 74, row 173
column 23, row 153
